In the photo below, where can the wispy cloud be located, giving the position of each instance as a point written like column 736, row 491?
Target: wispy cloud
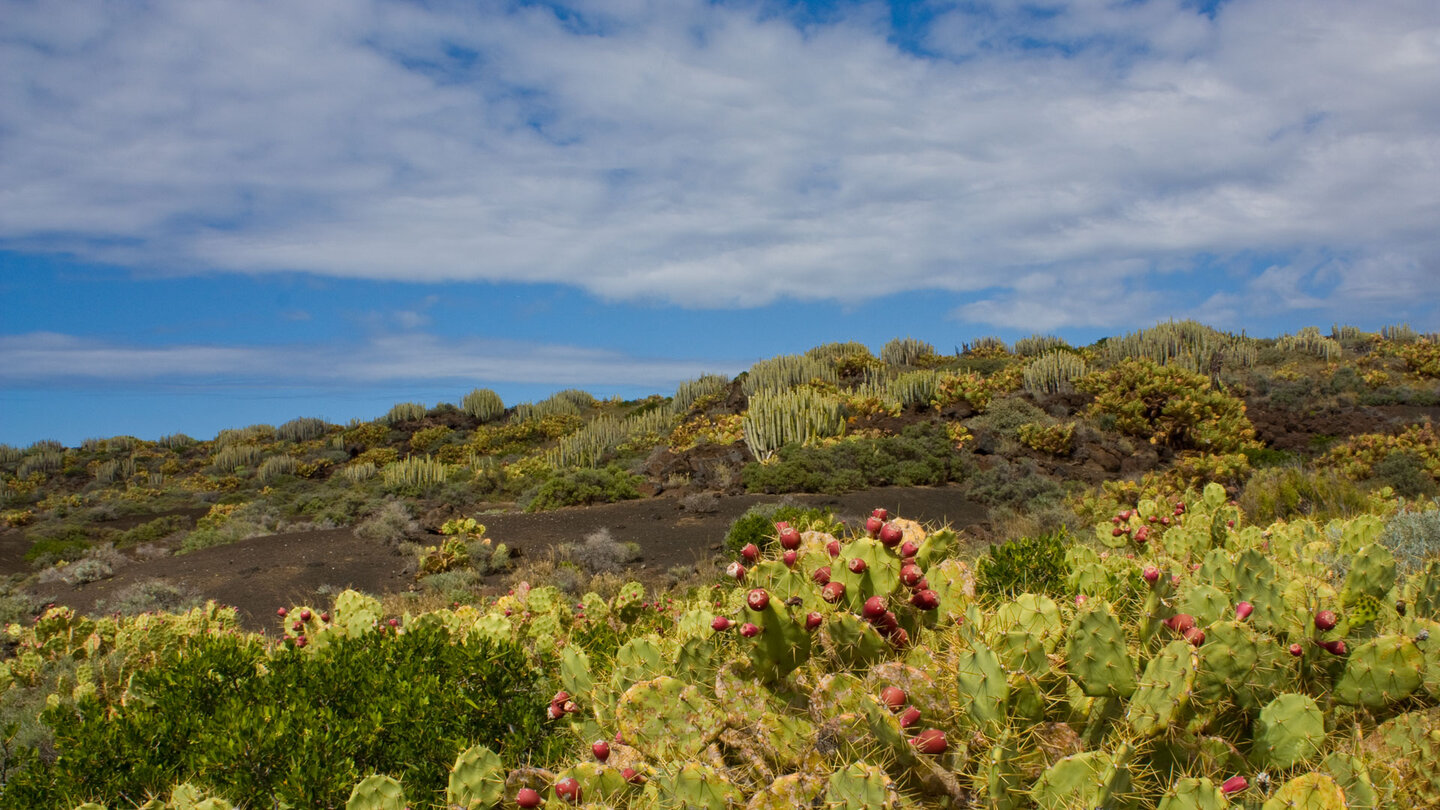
column 713, row 156
column 47, row 359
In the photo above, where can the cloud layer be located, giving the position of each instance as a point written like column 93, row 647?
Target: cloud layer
column 719, row 155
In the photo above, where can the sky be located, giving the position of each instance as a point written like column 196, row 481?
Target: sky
column 215, row 214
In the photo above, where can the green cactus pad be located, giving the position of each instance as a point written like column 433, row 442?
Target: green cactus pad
column 851, row 641
column 1081, row 781
column 575, row 671
column 477, row 781
column 788, row 793
column 1026, row 700
column 1380, row 672
column 1411, row 742
column 696, row 660
column 1164, row 689
column 881, row 576
column 355, row 613
column 1217, row 569
column 999, row 780
column 1290, row 730
column 981, row 686
column 1237, row 664
column 667, row 719
column 598, row 783
column 1311, row 791
column 783, row 643
column 377, row 792
column 695, row 786
column 1208, row 604
column 1194, row 794
column 859, row 787
column 1354, row 780
column 1020, row 650
column 1257, row 583
column 1034, row 614
column 919, row 687
column 1096, row 655
column 1424, row 592
column 1372, row 574
column 639, row 659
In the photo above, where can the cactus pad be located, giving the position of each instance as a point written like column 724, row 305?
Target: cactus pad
column 1164, row 689
column 1289, row 731
column 981, row 686
column 859, row 787
column 477, row 781
column 1379, row 672
column 377, row 792
column 1311, row 791
column 667, row 718
column 1194, row 794
column 1096, row 655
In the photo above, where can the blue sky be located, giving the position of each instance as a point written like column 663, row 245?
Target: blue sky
column 221, row 213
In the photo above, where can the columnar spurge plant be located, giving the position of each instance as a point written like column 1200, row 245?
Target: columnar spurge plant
column 775, row 419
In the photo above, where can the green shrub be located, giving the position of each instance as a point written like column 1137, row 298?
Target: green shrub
column 1027, row 565
column 757, row 525
column 302, row 729
column 1015, row 484
column 1404, row 471
column 582, row 487
column 923, row 455
column 1171, row 406
column 1284, row 493
column 151, row 596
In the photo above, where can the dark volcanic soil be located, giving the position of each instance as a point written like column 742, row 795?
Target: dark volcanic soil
column 261, row 573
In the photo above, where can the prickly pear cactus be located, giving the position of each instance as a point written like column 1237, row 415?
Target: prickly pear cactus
column 1238, row 665
column 1424, row 592
column 787, row 793
column 694, row 785
column 1097, row 656
column 1164, row 690
column 1354, row 780
column 852, row 642
column 981, row 687
column 1380, row 672
column 477, row 781
column 377, row 792
column 667, row 719
column 1290, row 730
column 1194, row 794
column 1311, row 791
column 1091, row 779
column 860, row 787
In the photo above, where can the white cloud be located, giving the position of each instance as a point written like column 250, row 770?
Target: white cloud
column 42, row 358
column 701, row 154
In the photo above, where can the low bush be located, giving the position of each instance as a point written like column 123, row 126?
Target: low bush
column 1020, row 485
column 294, row 727
column 582, row 487
column 1026, row 565
column 1413, row 536
column 1169, row 405
column 757, row 525
column 601, row 553
column 150, row 596
column 153, row 530
column 923, row 455
column 390, row 524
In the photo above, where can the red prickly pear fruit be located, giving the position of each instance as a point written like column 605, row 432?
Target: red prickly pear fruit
column 720, row 624
column 1181, row 622
column 1116, row 532
column 873, row 525
column 1325, row 620
column 527, row 798
column 282, row 613
column 789, row 539
column 1195, row 636
column 873, row 608
column 1243, row 611
column 632, row 776
column 1151, row 574
column 833, row 548
column 821, row 575
column 1154, row 518
column 930, row 741
column 305, row 615
column 325, row 617
column 750, row 552
column 1080, row 599
column 301, row 641
column 887, row 622
column 735, row 571
column 832, row 592
column 812, row 621
column 1296, row 650
column 555, row 712
column 1115, row 519
column 911, row 575
column 1142, row 535
column 891, row 535
column 909, row 548
column 893, row 697
column 881, row 512
column 560, row 697
column 923, row 584
column 394, row 622
column 909, row 717
column 899, row 638
column 1336, row 647
column 1164, row 520
column 790, row 558
column 569, row 790
column 570, row 707
column 856, row 565
column 600, row 749
column 782, row 526
column 1124, row 515
column 1230, row 524
column 297, row 626
column 757, row 599
column 749, row 630
column 1234, row 784
column 926, row 599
